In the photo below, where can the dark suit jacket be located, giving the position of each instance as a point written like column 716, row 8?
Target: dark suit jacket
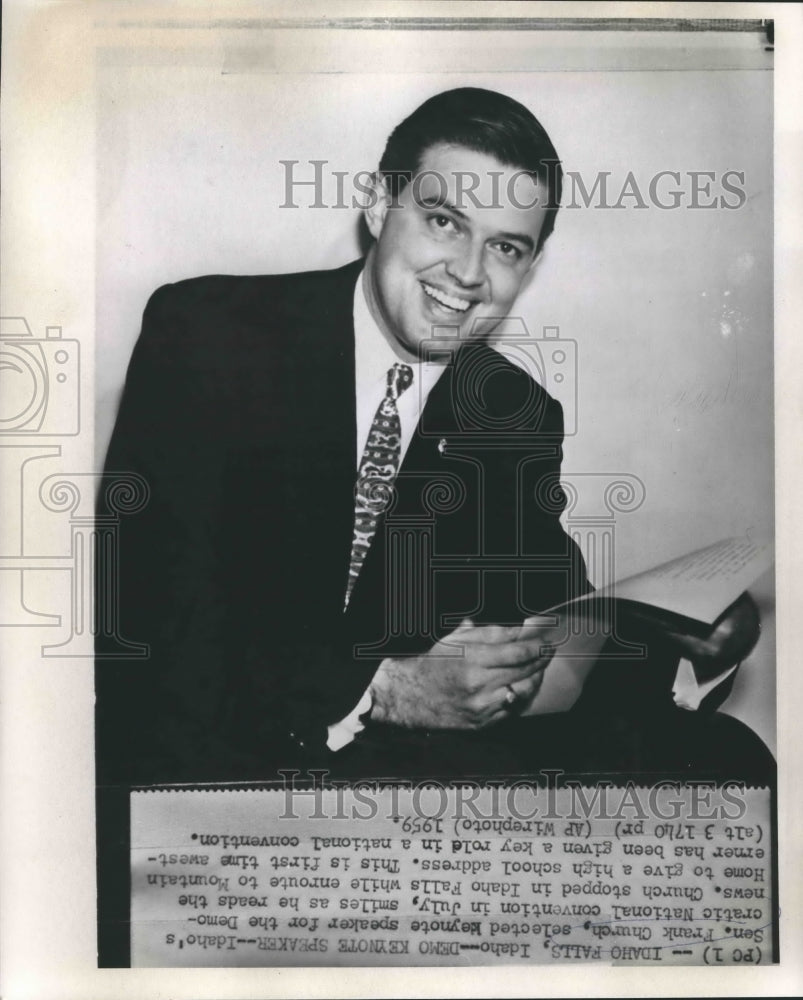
column 239, row 411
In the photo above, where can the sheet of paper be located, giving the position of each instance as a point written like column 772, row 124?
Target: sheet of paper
column 700, row 584
column 578, row 641
column 412, row 875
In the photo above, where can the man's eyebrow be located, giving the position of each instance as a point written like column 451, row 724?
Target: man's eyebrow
column 518, row 238
column 435, row 201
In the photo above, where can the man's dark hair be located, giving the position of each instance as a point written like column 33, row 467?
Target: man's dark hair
column 484, row 121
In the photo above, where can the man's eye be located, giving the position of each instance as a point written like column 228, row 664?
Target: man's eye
column 508, row 250
column 442, row 222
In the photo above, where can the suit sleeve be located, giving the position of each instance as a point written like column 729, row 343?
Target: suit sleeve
column 523, row 515
column 174, row 715
column 563, row 575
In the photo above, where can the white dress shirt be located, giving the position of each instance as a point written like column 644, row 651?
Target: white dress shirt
column 374, row 355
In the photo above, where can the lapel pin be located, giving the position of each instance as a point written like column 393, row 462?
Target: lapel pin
column 442, row 445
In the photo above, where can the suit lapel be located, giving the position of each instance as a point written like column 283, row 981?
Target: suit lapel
column 438, row 422
column 321, row 323
column 321, row 425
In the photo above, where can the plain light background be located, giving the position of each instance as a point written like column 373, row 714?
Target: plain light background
column 668, row 311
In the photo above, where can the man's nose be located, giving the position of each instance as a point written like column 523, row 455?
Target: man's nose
column 467, row 264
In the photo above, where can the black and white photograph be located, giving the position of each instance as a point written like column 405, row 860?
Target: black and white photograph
column 394, row 499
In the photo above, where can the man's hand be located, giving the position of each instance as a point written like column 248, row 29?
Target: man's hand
column 443, row 689
column 735, row 634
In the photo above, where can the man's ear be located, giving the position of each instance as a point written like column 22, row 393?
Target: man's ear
column 378, row 202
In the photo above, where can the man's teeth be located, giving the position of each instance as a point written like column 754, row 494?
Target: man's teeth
column 450, row 301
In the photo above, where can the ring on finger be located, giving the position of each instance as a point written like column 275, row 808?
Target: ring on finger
column 511, row 697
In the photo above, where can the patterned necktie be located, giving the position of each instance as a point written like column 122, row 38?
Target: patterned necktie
column 378, row 468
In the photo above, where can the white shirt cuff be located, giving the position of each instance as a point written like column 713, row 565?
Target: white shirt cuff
column 687, row 692
column 342, row 733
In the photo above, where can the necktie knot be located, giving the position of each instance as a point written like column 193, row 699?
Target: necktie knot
column 400, row 377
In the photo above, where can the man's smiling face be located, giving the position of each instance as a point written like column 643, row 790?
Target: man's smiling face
column 455, row 248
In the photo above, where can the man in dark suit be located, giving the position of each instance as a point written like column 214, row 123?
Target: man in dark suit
column 294, row 619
